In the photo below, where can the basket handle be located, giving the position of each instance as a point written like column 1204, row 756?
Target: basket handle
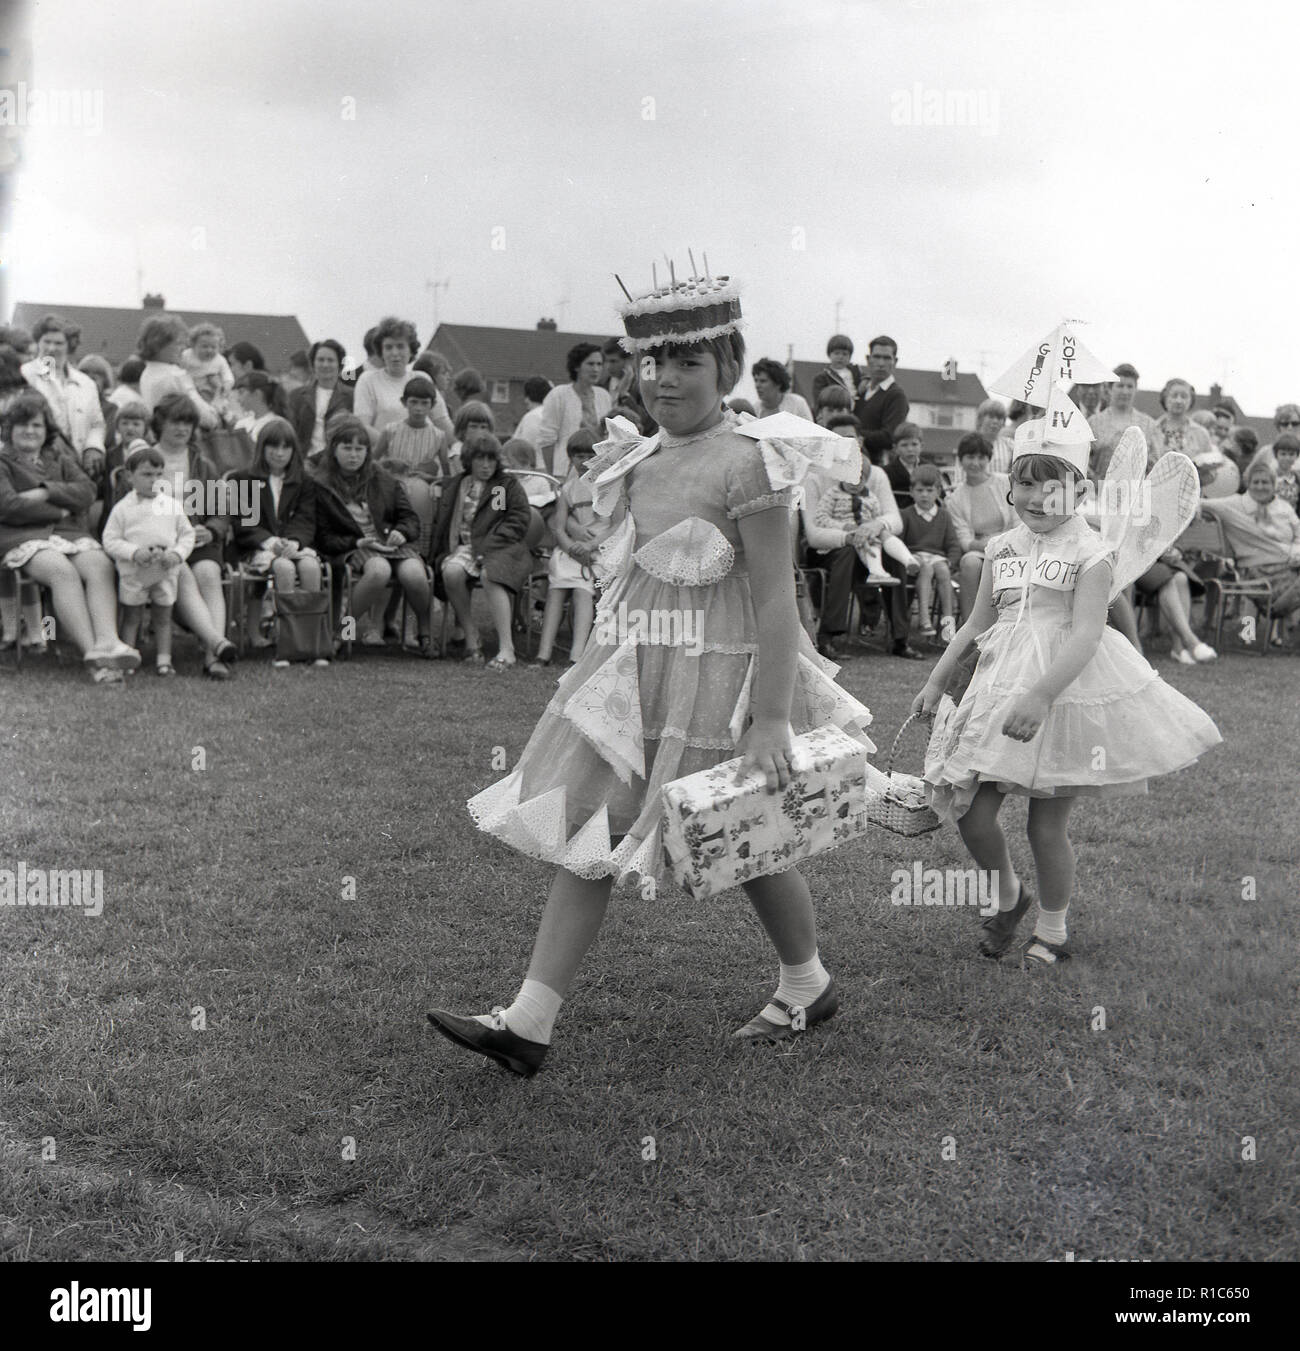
column 893, row 750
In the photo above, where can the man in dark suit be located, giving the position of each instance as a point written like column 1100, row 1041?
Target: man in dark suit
column 881, row 404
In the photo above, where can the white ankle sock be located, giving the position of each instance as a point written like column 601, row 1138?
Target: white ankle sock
column 799, row 986
column 1009, row 897
column 1051, row 926
column 531, row 1016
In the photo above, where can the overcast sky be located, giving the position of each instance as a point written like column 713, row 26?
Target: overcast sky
column 1131, row 164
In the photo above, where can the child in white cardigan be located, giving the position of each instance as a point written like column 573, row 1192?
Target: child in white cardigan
column 148, row 536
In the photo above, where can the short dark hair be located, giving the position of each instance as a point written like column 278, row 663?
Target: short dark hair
column 577, row 355
column 157, row 333
column 844, row 420
column 908, row 431
column 333, row 344
column 536, row 388
column 884, row 341
column 1247, row 438
column 583, row 441
column 1224, row 408
column 1126, row 372
column 390, row 328
column 612, row 348
column 23, row 409
column 470, row 410
column 56, row 323
column 174, row 408
column 144, row 455
column 482, row 445
column 368, row 342
column 468, row 382
column 420, row 387
column 1286, row 442
column 834, row 395
column 131, row 371
column 774, row 371
column 839, row 342
column 249, row 354
column 927, row 473
column 1187, row 384
column 974, row 444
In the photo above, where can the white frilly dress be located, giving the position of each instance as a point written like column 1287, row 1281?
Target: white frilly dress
column 1110, row 730
column 664, row 685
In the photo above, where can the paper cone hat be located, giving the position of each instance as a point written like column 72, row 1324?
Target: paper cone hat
column 1063, row 433
column 1059, row 359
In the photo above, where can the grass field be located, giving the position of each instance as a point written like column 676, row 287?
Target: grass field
column 956, row 1109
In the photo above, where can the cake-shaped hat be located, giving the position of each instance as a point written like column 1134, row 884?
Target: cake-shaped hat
column 682, row 312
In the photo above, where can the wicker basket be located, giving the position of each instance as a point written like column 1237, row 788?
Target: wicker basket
column 892, row 810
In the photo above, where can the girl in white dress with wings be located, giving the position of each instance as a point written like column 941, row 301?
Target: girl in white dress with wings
column 1059, row 706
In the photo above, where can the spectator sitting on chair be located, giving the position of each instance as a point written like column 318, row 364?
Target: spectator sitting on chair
column 44, row 494
column 517, row 454
column 573, row 569
column 472, row 419
column 929, row 533
column 469, row 384
column 128, row 383
column 1285, row 450
column 415, row 440
column 278, row 536
column 1263, row 533
column 483, row 519
column 772, row 385
column 831, row 402
column 908, row 439
column 536, row 388
column 389, row 528
column 1241, row 448
column 1285, row 419
column 1172, row 582
column 325, row 396
column 850, row 507
column 438, row 369
column 980, row 508
column 1176, row 430
column 258, row 395
column 833, row 548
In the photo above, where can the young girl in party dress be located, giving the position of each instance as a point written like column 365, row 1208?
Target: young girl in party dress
column 696, row 656
column 1059, row 706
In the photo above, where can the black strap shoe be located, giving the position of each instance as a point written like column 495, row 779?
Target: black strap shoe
column 517, row 1054
column 907, row 651
column 825, row 1006
column 1000, row 929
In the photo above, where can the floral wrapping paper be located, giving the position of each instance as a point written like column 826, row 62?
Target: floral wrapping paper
column 719, row 832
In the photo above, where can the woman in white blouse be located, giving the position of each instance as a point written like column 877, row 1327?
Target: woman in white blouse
column 581, row 403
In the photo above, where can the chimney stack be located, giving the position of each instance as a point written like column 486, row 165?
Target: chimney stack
column 154, row 302
column 546, row 325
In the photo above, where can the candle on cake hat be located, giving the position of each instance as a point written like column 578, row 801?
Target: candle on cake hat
column 689, row 311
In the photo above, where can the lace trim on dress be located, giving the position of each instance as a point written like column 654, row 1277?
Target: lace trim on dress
column 783, row 497
column 692, row 553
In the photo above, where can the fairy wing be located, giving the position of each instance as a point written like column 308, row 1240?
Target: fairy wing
column 1122, row 484
column 1161, row 511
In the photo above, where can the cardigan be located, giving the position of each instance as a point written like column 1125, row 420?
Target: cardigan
column 561, row 417
column 302, row 409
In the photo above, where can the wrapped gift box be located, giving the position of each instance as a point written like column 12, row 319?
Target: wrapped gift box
column 719, row 832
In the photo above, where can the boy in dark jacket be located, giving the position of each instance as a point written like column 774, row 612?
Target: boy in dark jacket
column 929, row 533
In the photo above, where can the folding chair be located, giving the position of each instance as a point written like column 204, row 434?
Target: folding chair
column 1205, row 539
column 23, row 592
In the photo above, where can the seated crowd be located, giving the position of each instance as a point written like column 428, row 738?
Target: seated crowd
column 192, row 474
